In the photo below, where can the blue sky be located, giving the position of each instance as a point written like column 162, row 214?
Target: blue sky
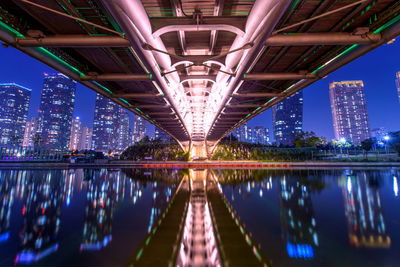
column 377, row 69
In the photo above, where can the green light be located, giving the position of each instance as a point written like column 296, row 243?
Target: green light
column 151, row 76
column 103, row 87
column 139, row 254
column 126, row 102
column 139, row 110
column 10, row 30
column 248, row 115
column 257, row 109
column 147, row 116
column 388, row 24
column 244, row 75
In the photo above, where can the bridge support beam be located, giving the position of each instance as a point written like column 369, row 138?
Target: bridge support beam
column 73, row 41
column 278, row 76
column 117, row 77
column 330, row 38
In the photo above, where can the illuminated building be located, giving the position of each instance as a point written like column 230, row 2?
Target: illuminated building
column 30, row 133
column 297, row 218
column 349, row 111
column 100, row 201
column 241, row 133
column 160, row 134
column 364, row 212
column 14, row 104
column 105, row 125
column 261, row 135
column 75, row 134
column 86, row 138
column 124, row 138
column 41, row 217
column 287, row 118
column 139, row 129
column 398, row 83
column 56, row 109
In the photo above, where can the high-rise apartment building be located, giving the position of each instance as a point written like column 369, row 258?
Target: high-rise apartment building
column 139, row 129
column 160, row 134
column 242, row 133
column 124, row 138
column 56, row 109
column 349, row 111
column 86, row 138
column 14, row 104
column 261, row 135
column 76, row 132
column 398, row 83
column 105, row 124
column 31, row 134
column 287, row 118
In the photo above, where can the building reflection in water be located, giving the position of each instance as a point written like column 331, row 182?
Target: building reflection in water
column 41, row 216
column 364, row 211
column 297, row 218
column 43, row 194
column 6, row 202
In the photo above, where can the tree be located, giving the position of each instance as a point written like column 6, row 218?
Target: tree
column 395, row 141
column 367, row 144
column 308, row 139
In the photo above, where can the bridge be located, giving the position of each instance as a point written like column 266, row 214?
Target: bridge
column 197, row 69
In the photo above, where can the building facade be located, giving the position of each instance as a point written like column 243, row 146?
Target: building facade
column 86, row 138
column 398, row 83
column 56, row 110
column 139, row 129
column 14, row 105
column 160, row 134
column 349, row 111
column 124, row 138
column 287, row 118
column 76, row 132
column 31, row 135
column 261, row 135
column 105, row 124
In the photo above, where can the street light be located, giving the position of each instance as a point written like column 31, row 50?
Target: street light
column 386, row 138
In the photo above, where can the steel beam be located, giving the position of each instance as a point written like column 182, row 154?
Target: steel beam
column 329, row 38
column 244, row 106
column 249, row 95
column 278, row 76
column 235, row 23
column 198, row 77
column 73, row 41
column 117, row 77
column 160, row 106
column 135, row 95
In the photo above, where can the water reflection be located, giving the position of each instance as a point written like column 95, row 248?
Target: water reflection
column 252, row 193
column 364, row 211
column 298, row 221
column 32, row 203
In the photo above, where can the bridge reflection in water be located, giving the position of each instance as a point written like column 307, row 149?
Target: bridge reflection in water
column 199, row 228
column 182, row 217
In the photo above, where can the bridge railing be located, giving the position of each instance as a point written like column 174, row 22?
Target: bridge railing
column 19, row 153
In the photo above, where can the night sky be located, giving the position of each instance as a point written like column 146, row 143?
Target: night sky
column 377, row 69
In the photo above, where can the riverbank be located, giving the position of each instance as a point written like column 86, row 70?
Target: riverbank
column 196, row 164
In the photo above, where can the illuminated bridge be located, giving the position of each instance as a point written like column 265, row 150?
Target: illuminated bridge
column 197, row 69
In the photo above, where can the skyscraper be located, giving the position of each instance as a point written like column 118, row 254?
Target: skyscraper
column 14, row 104
column 349, row 110
column 76, row 132
column 241, row 133
column 261, row 135
column 86, row 138
column 160, row 134
column 56, row 109
column 123, row 130
column 398, row 83
column 139, row 129
column 105, row 125
column 30, row 133
column 287, row 118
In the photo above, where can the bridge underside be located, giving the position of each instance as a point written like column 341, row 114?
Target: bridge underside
column 197, row 69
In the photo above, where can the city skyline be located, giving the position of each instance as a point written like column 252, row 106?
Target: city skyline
column 317, row 114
